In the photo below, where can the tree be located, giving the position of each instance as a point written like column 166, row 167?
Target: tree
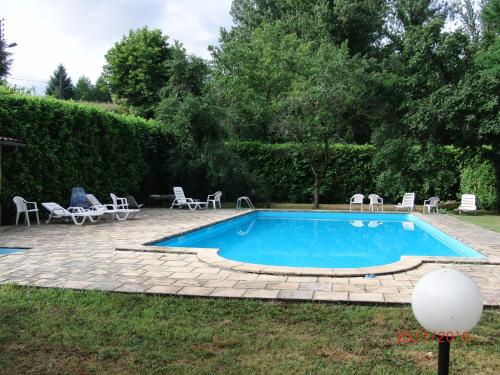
column 359, row 22
column 137, row 69
column 491, row 18
column 470, row 17
column 101, row 90
column 5, row 56
column 316, row 111
column 84, row 89
column 60, row 85
column 407, row 14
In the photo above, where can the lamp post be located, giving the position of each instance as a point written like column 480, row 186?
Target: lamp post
column 448, row 303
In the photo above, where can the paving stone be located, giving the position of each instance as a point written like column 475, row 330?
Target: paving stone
column 159, row 281
column 220, row 283
column 137, row 288
column 397, row 298
column 302, row 279
column 348, row 288
column 284, row 285
column 295, row 294
column 227, row 292
column 212, row 276
column 184, row 275
column 381, row 289
column 103, row 286
column 196, row 291
column 188, row 282
column 271, row 278
column 164, row 289
column 330, row 296
column 316, row 286
column 75, row 284
column 366, row 297
column 55, row 260
column 251, row 284
column 240, row 276
column 261, row 293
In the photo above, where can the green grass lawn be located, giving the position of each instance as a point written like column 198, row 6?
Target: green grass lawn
column 62, row 331
column 491, row 222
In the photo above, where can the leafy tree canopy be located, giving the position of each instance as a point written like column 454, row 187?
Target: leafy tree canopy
column 137, row 68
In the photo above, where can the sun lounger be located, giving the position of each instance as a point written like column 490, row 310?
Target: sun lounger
column 77, row 214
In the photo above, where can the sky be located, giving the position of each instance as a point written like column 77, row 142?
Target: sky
column 78, row 33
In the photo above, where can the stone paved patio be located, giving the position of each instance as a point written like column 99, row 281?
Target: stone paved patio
column 68, row 256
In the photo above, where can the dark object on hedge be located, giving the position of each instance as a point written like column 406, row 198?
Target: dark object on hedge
column 132, row 203
column 79, row 198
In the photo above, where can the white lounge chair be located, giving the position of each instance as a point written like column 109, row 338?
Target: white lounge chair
column 120, row 205
column 431, row 204
column 356, row 199
column 214, row 199
column 407, row 203
column 181, row 200
column 22, row 208
column 106, row 209
column 468, row 204
column 77, row 214
column 376, row 201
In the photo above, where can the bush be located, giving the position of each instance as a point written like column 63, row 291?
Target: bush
column 479, row 178
column 69, row 145
column 287, row 176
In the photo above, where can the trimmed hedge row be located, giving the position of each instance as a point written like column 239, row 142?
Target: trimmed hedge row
column 428, row 171
column 288, row 178
column 69, row 145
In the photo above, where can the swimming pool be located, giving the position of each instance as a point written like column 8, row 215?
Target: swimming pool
column 323, row 239
column 10, row 250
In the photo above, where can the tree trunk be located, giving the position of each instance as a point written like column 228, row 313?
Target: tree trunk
column 317, row 184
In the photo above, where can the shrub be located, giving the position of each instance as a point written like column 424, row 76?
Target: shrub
column 69, row 145
column 479, row 178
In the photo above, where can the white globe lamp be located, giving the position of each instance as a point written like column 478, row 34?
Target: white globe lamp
column 447, row 303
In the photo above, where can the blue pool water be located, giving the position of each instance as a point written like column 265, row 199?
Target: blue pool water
column 9, row 250
column 322, row 239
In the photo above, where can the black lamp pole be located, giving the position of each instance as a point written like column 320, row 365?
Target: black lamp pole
column 443, row 355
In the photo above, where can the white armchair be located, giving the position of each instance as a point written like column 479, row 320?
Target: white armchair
column 214, row 199
column 376, row 201
column 431, row 204
column 25, row 207
column 356, row 199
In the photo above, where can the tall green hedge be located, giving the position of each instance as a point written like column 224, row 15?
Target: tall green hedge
column 288, row 178
column 69, row 145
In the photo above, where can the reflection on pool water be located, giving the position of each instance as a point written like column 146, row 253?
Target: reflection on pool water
column 323, row 239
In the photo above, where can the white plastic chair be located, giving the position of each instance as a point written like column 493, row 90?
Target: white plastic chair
column 376, row 201
column 356, row 199
column 214, row 199
column 431, row 204
column 106, row 209
column 407, row 203
column 73, row 213
column 120, row 205
column 468, row 204
column 22, row 208
column 181, row 200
